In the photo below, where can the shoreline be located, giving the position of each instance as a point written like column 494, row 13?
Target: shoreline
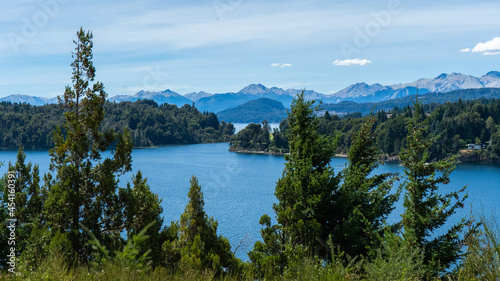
column 242, row 151
column 392, row 159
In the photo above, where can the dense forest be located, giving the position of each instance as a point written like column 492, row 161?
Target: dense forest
column 453, row 125
column 149, row 123
column 79, row 224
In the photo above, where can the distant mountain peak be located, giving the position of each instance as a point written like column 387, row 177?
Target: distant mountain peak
column 254, row 89
column 493, row 74
column 442, row 76
column 196, row 96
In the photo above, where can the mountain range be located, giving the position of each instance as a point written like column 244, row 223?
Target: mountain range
column 28, row 99
column 359, row 93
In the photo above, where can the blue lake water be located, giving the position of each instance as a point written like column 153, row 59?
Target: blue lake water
column 239, row 188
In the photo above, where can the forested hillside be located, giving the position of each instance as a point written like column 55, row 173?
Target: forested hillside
column 453, row 124
column 149, row 123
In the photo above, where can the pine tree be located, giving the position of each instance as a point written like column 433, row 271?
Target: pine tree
column 28, row 202
column 365, row 199
column 426, row 209
column 143, row 209
column 306, row 193
column 197, row 245
column 85, row 191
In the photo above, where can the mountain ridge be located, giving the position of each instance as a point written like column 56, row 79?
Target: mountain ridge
column 359, row 92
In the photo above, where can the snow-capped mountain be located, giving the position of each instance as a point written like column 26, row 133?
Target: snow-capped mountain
column 359, row 92
column 166, row 96
column 28, row 99
column 196, row 96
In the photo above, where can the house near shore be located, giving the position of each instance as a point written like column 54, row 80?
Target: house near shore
column 474, row 146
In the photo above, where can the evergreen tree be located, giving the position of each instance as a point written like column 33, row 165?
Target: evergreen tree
column 143, row 209
column 426, row 208
column 28, row 201
column 84, row 195
column 365, row 199
column 306, row 192
column 197, row 245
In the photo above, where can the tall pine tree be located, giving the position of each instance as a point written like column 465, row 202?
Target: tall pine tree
column 365, row 199
column 84, row 195
column 426, row 208
column 306, row 193
column 196, row 244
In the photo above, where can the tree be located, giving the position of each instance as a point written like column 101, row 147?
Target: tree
column 425, row 208
column 85, row 192
column 143, row 209
column 28, row 201
column 305, row 193
column 365, row 199
column 197, row 245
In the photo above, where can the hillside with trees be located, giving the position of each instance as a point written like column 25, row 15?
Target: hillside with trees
column 454, row 125
column 150, row 124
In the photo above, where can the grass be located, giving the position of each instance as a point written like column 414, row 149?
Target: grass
column 393, row 262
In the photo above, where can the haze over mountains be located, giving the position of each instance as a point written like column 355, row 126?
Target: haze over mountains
column 359, row 93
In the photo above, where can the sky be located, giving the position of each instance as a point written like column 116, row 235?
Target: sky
column 221, row 46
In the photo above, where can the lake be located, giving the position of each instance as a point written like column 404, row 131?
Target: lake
column 239, row 188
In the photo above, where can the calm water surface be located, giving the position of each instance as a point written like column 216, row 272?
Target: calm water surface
column 239, row 188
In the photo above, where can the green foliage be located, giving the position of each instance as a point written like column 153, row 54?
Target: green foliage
column 28, row 202
column 135, row 255
column 149, row 124
column 197, row 245
column 142, row 208
column 305, row 192
column 395, row 260
column 364, row 199
column 85, row 192
column 257, row 137
column 426, row 209
column 482, row 260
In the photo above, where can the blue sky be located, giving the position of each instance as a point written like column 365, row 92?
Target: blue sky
column 223, row 45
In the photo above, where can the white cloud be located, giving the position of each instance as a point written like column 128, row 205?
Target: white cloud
column 351, row 62
column 491, row 47
column 277, row 64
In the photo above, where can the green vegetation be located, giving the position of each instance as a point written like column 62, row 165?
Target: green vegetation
column 425, row 208
column 257, row 138
column 80, row 225
column 149, row 124
column 453, row 125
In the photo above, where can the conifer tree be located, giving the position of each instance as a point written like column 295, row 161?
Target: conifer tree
column 365, row 199
column 197, row 245
column 85, row 191
column 27, row 203
column 143, row 209
column 426, row 208
column 306, row 193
